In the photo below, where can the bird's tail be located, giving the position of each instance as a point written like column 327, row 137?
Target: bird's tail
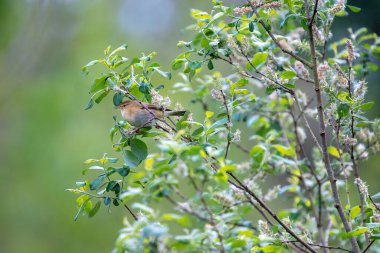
column 175, row 113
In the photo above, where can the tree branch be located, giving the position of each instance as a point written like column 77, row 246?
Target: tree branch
column 322, row 127
column 254, row 8
column 272, row 214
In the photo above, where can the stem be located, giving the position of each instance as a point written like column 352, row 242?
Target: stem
column 369, row 246
column 129, row 210
column 301, row 155
column 344, row 172
column 282, row 87
column 292, row 54
column 324, row 247
column 213, row 223
column 271, row 213
column 352, row 156
column 314, row 13
column 103, row 197
column 322, row 128
column 228, row 124
column 308, row 125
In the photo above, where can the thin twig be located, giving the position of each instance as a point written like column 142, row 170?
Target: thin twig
column 302, row 155
column 114, row 198
column 311, row 22
column 293, row 54
column 308, row 125
column 272, row 214
column 374, row 203
column 369, row 246
column 228, row 125
column 352, row 156
column 323, row 246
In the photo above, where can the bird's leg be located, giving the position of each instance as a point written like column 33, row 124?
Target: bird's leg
column 137, row 130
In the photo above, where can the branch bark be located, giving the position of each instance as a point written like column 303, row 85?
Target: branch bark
column 322, row 128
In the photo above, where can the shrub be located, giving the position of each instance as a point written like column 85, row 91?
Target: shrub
column 290, row 104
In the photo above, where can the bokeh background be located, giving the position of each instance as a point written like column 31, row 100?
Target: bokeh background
column 45, row 135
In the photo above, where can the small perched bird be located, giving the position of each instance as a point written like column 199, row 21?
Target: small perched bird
column 141, row 114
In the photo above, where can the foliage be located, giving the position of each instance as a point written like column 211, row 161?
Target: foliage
column 285, row 74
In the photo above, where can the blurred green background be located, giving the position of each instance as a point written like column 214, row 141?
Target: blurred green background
column 45, row 135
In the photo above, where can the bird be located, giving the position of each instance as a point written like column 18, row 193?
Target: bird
column 139, row 114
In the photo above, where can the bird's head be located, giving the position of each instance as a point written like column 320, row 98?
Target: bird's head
column 123, row 105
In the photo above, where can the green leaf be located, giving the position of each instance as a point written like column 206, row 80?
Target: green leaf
column 343, row 110
column 257, row 153
column 270, row 249
column 107, row 201
column 123, row 171
column 288, row 151
column 191, row 75
column 240, row 83
column 259, row 59
column 130, row 159
column 99, row 84
column 154, row 229
column 159, row 87
column 210, row 66
column 284, row 22
column 81, row 184
column 373, row 225
column 355, row 211
column 177, row 63
column 101, row 96
column 85, row 68
column 195, row 65
column 198, row 132
column 97, row 182
column 113, row 131
column 81, row 208
column 116, row 189
column 90, row 104
column 288, row 75
column 167, row 75
column 117, row 99
column 354, row 8
column 218, row 123
column 139, row 149
column 333, row 151
column 251, row 26
column 90, row 161
column 345, row 97
column 144, row 88
column 228, row 168
column 375, row 236
column 290, row 86
column 111, row 185
column 376, row 196
column 119, row 49
column 367, row 106
column 289, row 3
column 270, row 89
column 95, row 209
column 356, row 232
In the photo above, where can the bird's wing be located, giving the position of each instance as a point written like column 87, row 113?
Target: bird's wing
column 156, row 108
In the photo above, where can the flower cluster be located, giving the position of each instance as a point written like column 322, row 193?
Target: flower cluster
column 350, row 51
column 159, row 100
column 242, row 10
column 301, row 70
column 338, row 7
